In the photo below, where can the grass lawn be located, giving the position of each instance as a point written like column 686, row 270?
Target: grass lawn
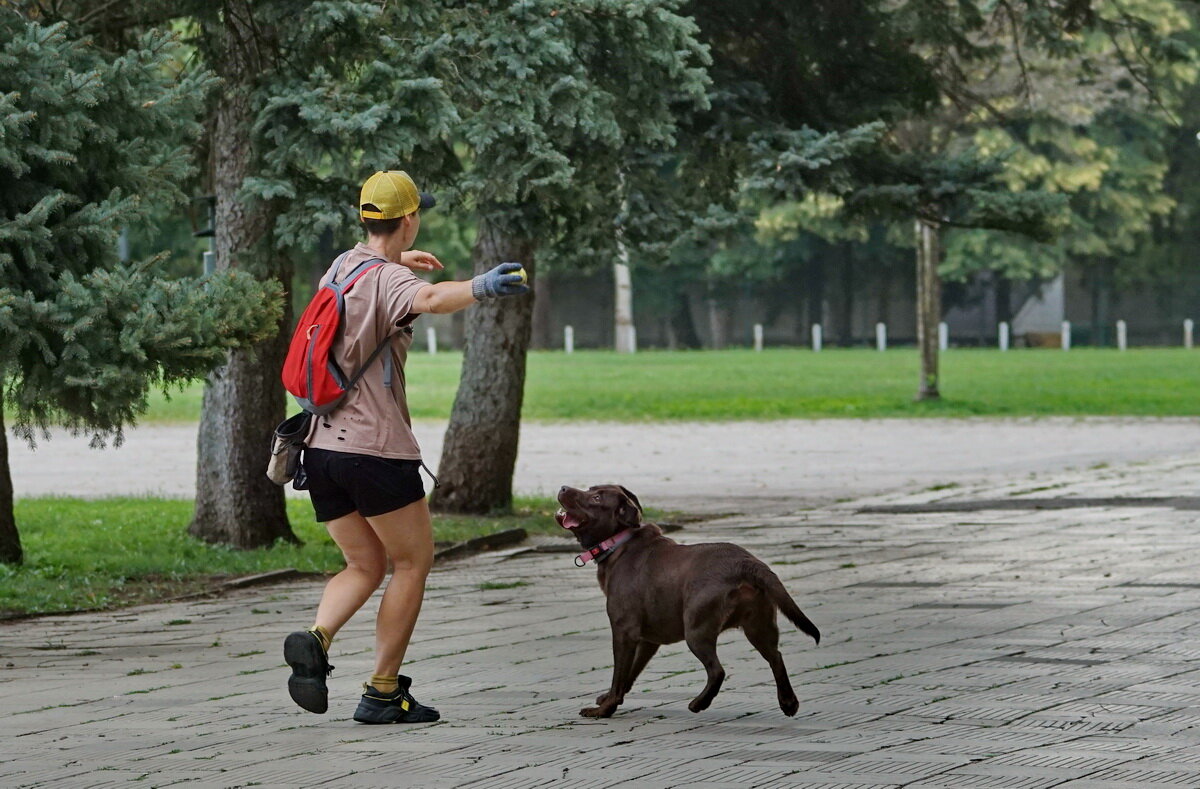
column 797, row 383
column 119, row 551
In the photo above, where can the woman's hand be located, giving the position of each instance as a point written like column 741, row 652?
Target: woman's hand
column 417, row 260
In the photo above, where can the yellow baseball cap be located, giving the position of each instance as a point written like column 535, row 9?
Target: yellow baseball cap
column 389, row 194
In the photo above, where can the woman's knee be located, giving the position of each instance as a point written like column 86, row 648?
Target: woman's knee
column 373, row 567
column 418, row 562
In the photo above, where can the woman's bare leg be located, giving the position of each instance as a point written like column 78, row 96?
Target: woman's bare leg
column 407, row 538
column 366, row 564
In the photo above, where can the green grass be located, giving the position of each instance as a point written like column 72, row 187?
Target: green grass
column 796, row 383
column 108, row 552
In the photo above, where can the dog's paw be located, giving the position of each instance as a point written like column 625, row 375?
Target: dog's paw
column 789, row 706
column 593, row 712
column 603, row 697
column 699, row 705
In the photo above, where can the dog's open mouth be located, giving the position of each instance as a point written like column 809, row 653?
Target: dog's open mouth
column 567, row 520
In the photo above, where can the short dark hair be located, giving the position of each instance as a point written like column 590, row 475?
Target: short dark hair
column 380, row 227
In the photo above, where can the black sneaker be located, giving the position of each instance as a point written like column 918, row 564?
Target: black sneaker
column 396, row 707
column 303, row 652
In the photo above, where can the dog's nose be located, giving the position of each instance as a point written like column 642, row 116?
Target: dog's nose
column 564, row 488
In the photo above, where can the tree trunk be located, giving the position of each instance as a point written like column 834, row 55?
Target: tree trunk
column 480, row 449
column 718, row 323
column 815, row 292
column 10, row 539
column 235, row 502
column 846, row 302
column 929, row 308
column 543, row 323
column 1003, row 296
column 623, row 303
column 683, row 328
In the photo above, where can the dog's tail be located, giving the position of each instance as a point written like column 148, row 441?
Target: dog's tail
column 783, row 601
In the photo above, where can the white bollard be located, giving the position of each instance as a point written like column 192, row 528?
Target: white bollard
column 633, row 339
column 431, row 339
column 1004, row 335
column 816, row 337
column 1187, row 333
column 880, row 337
column 758, row 337
column 943, row 336
column 1066, row 335
column 569, row 339
column 1122, row 337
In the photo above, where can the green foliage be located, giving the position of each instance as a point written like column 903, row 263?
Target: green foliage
column 553, row 96
column 350, row 94
column 91, row 143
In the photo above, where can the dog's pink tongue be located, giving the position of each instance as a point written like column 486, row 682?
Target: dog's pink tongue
column 569, row 521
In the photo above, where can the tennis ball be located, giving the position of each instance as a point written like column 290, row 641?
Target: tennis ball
column 524, row 276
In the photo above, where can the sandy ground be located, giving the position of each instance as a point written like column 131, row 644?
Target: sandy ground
column 698, row 467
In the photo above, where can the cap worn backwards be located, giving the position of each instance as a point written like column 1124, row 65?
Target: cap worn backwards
column 389, row 194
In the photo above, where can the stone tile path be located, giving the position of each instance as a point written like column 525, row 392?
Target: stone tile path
column 966, row 648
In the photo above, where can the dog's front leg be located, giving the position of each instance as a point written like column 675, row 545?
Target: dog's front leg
column 624, row 650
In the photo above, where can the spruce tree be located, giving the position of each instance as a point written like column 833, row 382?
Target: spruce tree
column 91, row 143
column 552, row 98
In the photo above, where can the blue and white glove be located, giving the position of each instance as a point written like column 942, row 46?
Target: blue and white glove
column 507, row 279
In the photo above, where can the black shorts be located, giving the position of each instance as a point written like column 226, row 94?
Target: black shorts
column 340, row 483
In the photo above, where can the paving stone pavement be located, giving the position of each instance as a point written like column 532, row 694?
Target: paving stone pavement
column 1027, row 646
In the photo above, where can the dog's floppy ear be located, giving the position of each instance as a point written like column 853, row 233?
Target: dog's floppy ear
column 633, row 501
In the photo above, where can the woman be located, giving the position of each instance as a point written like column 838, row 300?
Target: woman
column 363, row 462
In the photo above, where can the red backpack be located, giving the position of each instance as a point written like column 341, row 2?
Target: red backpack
column 310, row 373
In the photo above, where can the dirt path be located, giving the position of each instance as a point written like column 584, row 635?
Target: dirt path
column 699, row 467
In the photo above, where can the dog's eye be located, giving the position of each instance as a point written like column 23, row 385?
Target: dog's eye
column 596, row 498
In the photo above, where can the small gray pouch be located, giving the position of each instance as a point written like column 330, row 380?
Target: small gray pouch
column 287, row 444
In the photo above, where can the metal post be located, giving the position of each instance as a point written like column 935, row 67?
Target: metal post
column 1121, row 336
column 943, row 336
column 1066, row 335
column 210, row 262
column 632, row 339
column 758, row 337
column 816, row 337
column 1004, row 335
column 880, row 337
column 569, row 339
column 431, row 339
column 1187, row 333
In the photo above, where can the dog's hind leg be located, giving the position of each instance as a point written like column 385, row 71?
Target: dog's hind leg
column 645, row 651
column 702, row 640
column 763, row 635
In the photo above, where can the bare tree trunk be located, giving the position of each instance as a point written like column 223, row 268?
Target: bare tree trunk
column 718, row 323
column 10, row 539
column 814, row 292
column 846, row 302
column 683, row 332
column 1003, row 296
column 623, row 312
column 235, row 502
column 543, row 323
column 480, row 449
column 929, row 308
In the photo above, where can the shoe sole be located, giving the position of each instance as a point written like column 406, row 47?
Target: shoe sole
column 307, row 683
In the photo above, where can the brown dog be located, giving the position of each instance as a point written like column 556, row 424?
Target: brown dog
column 660, row 592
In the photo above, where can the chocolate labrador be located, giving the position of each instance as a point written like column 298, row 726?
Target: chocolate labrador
column 660, row 592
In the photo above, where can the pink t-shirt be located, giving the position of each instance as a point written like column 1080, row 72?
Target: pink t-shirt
column 373, row 419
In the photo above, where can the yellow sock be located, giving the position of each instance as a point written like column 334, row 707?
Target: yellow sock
column 323, row 636
column 384, row 683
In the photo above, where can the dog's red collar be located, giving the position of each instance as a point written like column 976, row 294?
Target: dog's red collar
column 600, row 552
